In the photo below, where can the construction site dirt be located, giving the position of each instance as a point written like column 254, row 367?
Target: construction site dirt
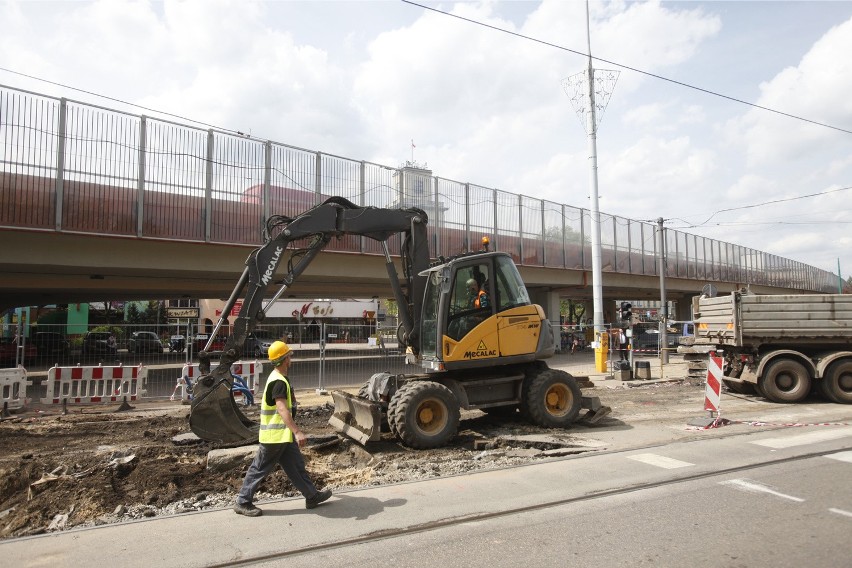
column 95, row 465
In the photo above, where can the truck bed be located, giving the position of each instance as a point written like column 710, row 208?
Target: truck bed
column 740, row 320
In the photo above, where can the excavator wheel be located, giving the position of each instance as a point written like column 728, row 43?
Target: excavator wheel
column 552, row 398
column 424, row 414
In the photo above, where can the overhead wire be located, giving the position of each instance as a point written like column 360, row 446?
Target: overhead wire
column 624, row 66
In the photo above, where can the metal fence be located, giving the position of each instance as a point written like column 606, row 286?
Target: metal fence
column 76, row 167
column 332, row 356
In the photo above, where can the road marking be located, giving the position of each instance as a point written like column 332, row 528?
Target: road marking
column 841, row 512
column 804, row 439
column 841, row 456
column 660, row 461
column 752, row 487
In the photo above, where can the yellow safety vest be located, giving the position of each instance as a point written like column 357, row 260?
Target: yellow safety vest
column 273, row 430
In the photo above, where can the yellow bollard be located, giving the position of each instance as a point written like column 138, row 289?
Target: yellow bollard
column 602, row 352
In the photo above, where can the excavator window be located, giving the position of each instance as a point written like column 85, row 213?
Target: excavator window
column 472, row 300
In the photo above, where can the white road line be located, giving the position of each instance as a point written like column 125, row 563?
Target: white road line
column 805, row 439
column 753, row 487
column 841, row 456
column 660, row 461
column 841, row 512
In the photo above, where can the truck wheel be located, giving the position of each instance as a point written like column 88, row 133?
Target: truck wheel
column 551, row 398
column 424, row 414
column 785, row 380
column 740, row 388
column 838, row 381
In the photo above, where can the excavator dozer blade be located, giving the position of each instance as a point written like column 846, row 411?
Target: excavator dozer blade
column 357, row 418
column 215, row 417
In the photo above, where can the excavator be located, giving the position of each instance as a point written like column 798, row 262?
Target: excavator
column 486, row 354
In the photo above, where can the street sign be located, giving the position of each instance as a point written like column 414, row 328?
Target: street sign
column 182, row 313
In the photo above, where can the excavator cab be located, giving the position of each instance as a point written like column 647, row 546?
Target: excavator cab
column 477, row 313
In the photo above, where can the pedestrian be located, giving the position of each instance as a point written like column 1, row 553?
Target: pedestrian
column 278, row 432
column 622, row 344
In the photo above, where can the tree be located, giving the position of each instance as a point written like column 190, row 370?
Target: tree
column 847, row 286
column 572, row 312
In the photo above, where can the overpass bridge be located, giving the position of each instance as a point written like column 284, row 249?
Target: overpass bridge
column 98, row 204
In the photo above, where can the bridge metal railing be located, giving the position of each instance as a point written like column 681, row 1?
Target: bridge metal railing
column 71, row 167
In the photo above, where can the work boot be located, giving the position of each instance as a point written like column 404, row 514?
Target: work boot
column 248, row 510
column 321, row 496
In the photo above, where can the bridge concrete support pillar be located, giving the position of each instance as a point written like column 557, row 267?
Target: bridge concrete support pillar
column 549, row 301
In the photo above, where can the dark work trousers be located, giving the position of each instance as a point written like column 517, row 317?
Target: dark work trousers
column 289, row 457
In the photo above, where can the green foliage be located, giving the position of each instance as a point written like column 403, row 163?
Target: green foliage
column 571, row 311
column 572, row 237
column 391, row 308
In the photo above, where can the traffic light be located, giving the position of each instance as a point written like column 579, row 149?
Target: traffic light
column 626, row 314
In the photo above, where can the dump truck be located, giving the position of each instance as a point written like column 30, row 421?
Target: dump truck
column 484, row 350
column 780, row 346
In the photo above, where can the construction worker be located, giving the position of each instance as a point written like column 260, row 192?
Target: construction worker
column 278, row 431
column 477, row 297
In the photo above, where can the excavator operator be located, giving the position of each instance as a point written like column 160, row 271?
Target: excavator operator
column 477, row 296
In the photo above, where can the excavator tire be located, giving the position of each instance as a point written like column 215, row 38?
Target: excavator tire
column 551, row 398
column 215, row 417
column 424, row 414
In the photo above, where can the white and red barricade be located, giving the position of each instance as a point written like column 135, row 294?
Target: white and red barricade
column 248, row 371
column 13, row 388
column 95, row 384
column 713, row 388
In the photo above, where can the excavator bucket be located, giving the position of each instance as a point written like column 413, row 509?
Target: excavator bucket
column 357, row 418
column 215, row 416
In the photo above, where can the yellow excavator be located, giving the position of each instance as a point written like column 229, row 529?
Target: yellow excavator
column 466, row 321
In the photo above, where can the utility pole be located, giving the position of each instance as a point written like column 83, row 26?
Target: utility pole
column 664, row 306
column 581, row 89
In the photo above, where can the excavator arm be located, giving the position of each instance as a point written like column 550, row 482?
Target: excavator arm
column 214, row 414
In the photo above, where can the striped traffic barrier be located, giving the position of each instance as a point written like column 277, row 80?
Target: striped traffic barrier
column 713, row 388
column 13, row 389
column 248, row 371
column 99, row 384
column 712, row 396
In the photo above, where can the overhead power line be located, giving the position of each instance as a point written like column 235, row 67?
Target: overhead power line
column 623, row 66
column 767, row 203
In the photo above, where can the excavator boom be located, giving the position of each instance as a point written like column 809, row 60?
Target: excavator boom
column 214, row 414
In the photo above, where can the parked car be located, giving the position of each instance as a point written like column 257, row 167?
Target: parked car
column 9, row 349
column 257, row 343
column 646, row 340
column 50, row 344
column 144, row 342
column 99, row 342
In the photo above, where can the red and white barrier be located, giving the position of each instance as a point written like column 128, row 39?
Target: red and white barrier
column 249, row 371
column 713, row 389
column 94, row 384
column 13, row 388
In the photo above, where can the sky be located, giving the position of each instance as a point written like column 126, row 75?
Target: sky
column 478, row 87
